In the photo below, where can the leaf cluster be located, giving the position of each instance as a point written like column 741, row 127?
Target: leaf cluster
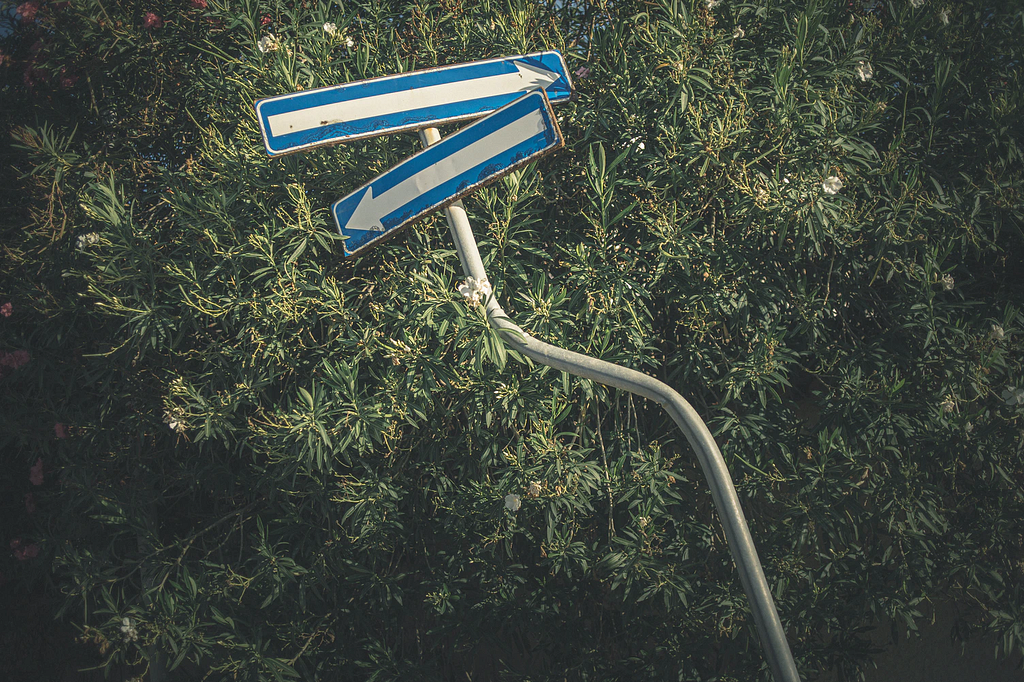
column 282, row 465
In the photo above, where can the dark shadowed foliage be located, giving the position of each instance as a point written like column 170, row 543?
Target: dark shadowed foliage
column 229, row 454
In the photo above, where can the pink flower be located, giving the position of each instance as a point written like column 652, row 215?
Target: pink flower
column 151, row 20
column 198, row 4
column 265, row 20
column 15, row 359
column 27, row 10
column 30, row 503
column 26, row 552
column 35, row 474
column 582, row 72
column 32, row 75
column 67, row 80
column 6, row 309
column 60, row 430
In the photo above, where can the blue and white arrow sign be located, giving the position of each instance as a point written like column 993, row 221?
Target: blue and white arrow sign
column 407, row 101
column 440, row 174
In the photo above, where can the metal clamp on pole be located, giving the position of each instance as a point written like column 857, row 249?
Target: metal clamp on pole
column 766, row 618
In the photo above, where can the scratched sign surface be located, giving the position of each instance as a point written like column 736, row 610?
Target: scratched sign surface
column 408, row 101
column 449, row 170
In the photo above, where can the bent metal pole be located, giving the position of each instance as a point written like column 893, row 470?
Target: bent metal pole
column 766, row 618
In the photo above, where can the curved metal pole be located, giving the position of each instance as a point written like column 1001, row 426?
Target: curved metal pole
column 766, row 618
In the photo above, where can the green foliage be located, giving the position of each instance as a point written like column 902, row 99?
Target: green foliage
column 269, row 463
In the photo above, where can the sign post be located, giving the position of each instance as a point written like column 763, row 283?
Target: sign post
column 741, row 545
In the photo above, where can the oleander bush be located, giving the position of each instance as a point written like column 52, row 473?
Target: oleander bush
column 231, row 454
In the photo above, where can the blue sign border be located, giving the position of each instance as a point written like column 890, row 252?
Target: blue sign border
column 485, row 172
column 559, row 91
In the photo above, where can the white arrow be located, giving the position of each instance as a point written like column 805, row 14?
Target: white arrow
column 371, row 210
column 525, row 78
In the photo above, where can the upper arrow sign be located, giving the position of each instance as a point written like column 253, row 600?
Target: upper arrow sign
column 408, row 101
column 435, row 177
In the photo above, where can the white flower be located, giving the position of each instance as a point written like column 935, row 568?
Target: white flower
column 916, row 3
column 174, row 420
column 268, row 43
column 832, row 185
column 533, row 490
column 475, row 290
column 738, row 33
column 349, row 43
column 643, row 521
column 786, row 179
column 330, row 28
column 639, row 144
column 948, row 405
column 864, row 70
column 969, row 427
column 948, row 282
column 513, row 502
column 712, row 3
column 85, row 240
column 944, row 17
column 997, row 333
column 1014, row 396
column 128, row 630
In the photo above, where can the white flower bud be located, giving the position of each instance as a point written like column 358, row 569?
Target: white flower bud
column 474, row 290
column 268, row 43
column 832, row 185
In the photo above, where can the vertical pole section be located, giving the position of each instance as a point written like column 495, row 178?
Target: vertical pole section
column 766, row 618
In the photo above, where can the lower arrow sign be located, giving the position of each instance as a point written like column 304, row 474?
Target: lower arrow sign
column 449, row 170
